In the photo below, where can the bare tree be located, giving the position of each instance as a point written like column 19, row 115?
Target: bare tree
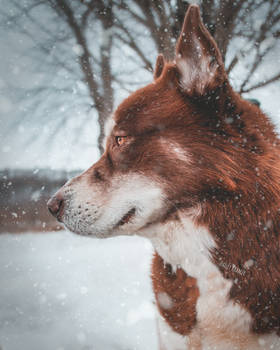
column 100, row 92
column 94, row 69
column 102, row 43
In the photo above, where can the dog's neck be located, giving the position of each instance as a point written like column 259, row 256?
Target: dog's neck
column 184, row 244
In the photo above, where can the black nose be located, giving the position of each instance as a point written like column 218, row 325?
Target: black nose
column 55, row 205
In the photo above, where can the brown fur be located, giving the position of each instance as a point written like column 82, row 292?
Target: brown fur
column 235, row 176
column 241, row 207
column 182, row 291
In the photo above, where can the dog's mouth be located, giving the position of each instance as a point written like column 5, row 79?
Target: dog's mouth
column 127, row 217
column 59, row 216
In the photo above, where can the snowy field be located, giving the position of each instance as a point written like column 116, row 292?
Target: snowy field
column 65, row 292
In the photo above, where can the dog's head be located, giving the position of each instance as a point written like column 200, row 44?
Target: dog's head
column 165, row 146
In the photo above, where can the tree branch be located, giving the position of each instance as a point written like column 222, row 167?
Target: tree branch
column 262, row 84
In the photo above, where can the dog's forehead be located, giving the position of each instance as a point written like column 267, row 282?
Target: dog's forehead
column 136, row 110
column 153, row 106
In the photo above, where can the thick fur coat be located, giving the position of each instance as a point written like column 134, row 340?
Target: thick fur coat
column 195, row 168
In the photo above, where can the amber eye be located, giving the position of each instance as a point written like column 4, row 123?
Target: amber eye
column 120, row 140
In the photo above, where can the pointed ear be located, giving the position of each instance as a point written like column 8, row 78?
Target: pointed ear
column 159, row 66
column 198, row 58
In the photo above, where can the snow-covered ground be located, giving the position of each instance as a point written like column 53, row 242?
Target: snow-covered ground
column 64, row 292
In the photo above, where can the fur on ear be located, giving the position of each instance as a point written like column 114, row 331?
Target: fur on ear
column 159, row 66
column 198, row 58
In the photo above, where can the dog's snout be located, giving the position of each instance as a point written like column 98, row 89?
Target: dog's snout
column 56, row 204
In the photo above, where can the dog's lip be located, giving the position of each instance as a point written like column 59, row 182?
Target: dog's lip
column 127, row 217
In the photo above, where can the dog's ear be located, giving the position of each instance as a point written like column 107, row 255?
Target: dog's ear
column 159, row 66
column 198, row 58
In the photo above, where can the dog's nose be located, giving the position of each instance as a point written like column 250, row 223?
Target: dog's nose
column 55, row 205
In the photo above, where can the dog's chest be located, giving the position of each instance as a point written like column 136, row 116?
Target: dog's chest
column 191, row 293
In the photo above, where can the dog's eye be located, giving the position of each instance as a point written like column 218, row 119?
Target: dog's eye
column 120, row 140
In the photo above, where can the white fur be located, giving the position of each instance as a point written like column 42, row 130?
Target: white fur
column 221, row 323
column 109, row 126
column 198, row 76
column 168, row 339
column 175, row 150
column 91, row 209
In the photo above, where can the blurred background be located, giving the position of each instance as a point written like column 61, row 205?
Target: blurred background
column 64, row 67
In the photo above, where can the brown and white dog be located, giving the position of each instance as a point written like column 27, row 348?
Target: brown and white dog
column 195, row 168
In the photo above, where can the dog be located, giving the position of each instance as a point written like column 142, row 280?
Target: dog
column 195, row 168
